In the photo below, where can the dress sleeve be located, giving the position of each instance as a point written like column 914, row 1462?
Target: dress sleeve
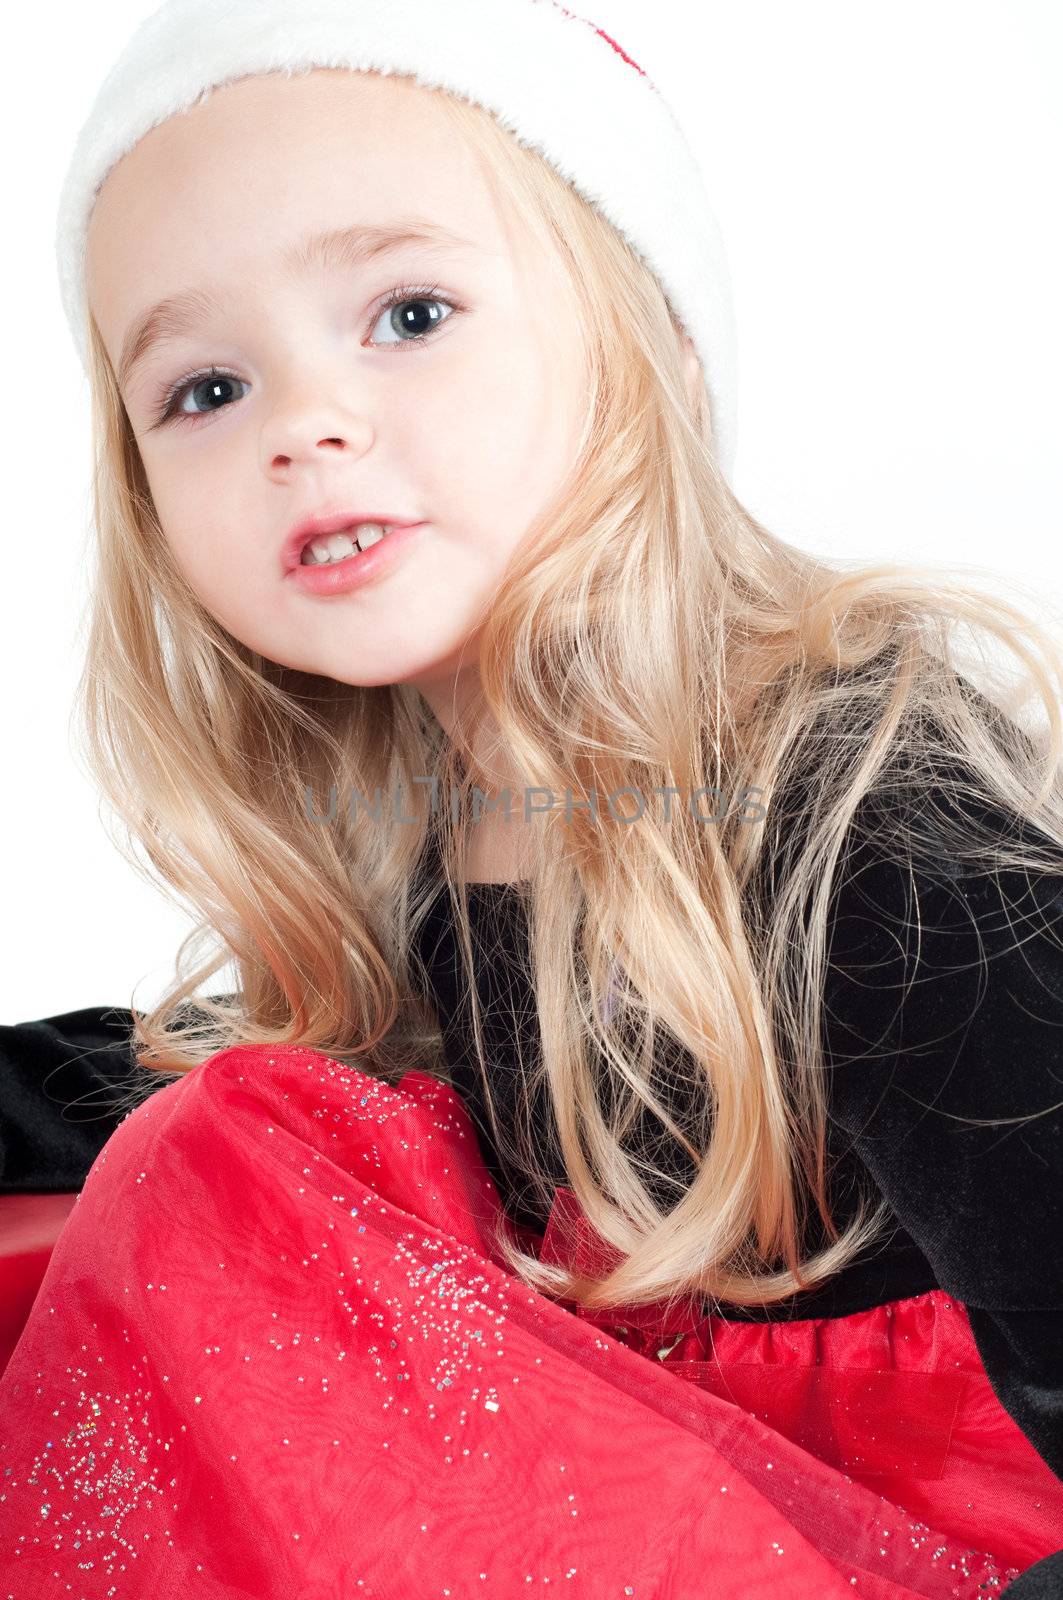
column 61, row 1095
column 66, row 1082
column 944, row 1002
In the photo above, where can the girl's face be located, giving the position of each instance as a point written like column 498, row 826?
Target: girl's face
column 321, row 401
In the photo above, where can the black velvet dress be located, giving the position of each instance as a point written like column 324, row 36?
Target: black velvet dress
column 944, row 1002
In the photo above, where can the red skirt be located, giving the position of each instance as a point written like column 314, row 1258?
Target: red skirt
column 275, row 1354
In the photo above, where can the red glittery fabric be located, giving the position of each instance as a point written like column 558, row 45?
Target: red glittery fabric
column 275, row 1354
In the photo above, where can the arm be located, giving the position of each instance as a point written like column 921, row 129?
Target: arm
column 945, row 1002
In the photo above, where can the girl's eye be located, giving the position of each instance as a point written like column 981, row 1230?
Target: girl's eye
column 403, row 308
column 210, row 389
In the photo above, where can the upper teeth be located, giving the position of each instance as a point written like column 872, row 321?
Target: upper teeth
column 339, row 545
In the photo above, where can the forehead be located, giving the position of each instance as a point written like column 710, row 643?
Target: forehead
column 233, row 187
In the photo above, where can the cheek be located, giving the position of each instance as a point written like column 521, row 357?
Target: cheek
column 490, row 430
column 198, row 506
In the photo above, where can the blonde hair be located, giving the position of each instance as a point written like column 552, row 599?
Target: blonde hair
column 650, row 634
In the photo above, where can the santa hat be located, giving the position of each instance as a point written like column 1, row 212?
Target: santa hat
column 558, row 82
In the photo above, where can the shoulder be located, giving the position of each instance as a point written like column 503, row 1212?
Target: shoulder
column 253, row 1111
column 144, row 1135
column 204, row 1105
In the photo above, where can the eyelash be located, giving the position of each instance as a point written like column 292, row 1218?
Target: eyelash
column 168, row 411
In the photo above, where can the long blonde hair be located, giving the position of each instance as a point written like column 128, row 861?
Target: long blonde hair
column 652, row 636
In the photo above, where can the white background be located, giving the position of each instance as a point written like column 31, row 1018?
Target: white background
column 887, row 177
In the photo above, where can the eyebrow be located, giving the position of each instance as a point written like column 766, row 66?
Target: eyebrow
column 334, row 248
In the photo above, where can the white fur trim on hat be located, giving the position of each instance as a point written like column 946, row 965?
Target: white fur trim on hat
column 553, row 78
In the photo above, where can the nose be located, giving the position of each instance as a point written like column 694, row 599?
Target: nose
column 304, row 429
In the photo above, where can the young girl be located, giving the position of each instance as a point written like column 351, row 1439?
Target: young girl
column 656, row 1195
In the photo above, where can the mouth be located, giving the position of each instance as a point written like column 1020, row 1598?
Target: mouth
column 348, row 567
column 328, row 551
column 329, row 540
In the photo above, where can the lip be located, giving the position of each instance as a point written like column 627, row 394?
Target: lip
column 319, row 527
column 340, row 577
